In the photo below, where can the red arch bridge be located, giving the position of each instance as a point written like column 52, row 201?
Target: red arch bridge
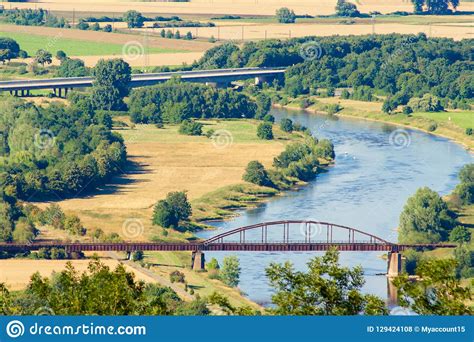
column 276, row 236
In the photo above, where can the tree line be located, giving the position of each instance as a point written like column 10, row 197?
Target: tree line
column 401, row 67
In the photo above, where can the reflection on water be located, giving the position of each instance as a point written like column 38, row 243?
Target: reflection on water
column 365, row 189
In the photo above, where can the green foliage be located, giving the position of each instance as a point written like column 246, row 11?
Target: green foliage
column 466, row 175
column 332, row 108
column 177, row 277
column 72, row 68
column 286, row 125
column 213, row 265
column 9, row 49
column 354, row 61
column 224, row 303
column 264, row 104
column 255, row 173
column 464, row 257
column 265, row 131
column 72, row 293
column 326, row 289
column 61, row 55
column 460, row 234
column 34, row 17
column 189, row 127
column 133, row 19
column 43, row 57
column 230, row 271
column 437, row 291
column 425, row 218
column 112, row 84
column 469, row 131
column 285, row 15
column 346, row 9
column 465, row 190
column 428, row 103
column 434, row 6
column 170, row 211
column 411, row 261
column 56, row 150
column 173, row 102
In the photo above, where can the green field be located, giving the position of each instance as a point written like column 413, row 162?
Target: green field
column 72, row 47
column 461, row 119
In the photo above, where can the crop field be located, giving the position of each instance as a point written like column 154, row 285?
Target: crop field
column 16, row 273
column 241, row 7
column 73, row 47
column 162, row 160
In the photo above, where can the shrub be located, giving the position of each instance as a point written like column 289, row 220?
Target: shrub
column 432, row 127
column 469, row 131
column 332, row 108
column 427, row 103
column 189, row 127
column 138, row 256
column 255, row 173
column 407, row 110
column 460, row 234
column 286, row 125
column 265, row 131
column 177, row 277
column 465, row 191
column 345, row 94
column 269, row 118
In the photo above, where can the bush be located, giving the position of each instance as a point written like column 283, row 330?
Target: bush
column 177, row 277
column 332, row 108
column 469, row 131
column 345, row 94
column 432, row 127
column 255, row 173
column 465, row 191
column 427, row 103
column 189, row 127
column 286, row 125
column 269, row 118
column 407, row 110
column 138, row 256
column 460, row 234
column 265, row 131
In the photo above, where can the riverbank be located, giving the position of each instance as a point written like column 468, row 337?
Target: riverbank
column 450, row 125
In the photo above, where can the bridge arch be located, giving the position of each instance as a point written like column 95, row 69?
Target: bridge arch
column 307, row 231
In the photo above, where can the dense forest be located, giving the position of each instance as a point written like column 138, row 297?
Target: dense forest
column 401, row 67
column 52, row 152
column 174, row 101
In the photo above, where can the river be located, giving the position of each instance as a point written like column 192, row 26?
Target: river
column 377, row 167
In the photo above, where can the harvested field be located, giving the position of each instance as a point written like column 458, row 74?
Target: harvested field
column 163, row 161
column 241, row 7
column 249, row 31
column 16, row 273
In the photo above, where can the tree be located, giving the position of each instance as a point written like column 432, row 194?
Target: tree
column 425, row 218
column 61, row 55
column 138, row 256
column 11, row 47
column 437, row 290
column 190, row 127
column 285, row 15
column 107, row 28
column 286, row 125
column 170, row 211
column 326, row 289
column 264, row 104
column 213, row 264
column 265, row 131
column 71, row 67
column 24, row 231
column 427, row 103
column 43, row 57
column 112, row 84
column 177, row 35
column 346, row 9
column 466, row 175
column 4, row 55
column 73, row 224
column 189, row 36
column 435, row 6
column 255, row 173
column 460, row 234
column 133, row 19
column 465, row 191
column 230, row 271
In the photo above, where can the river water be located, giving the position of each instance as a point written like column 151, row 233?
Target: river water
column 377, row 168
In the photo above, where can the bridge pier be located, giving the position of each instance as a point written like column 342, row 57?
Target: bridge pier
column 198, row 261
column 128, row 255
column 394, row 264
